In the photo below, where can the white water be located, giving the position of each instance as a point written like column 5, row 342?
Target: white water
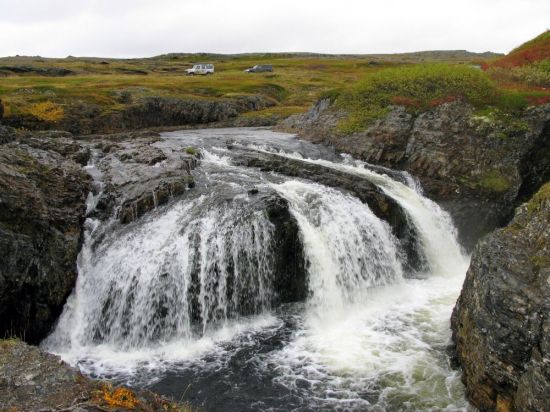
column 435, row 229
column 370, row 338
column 342, row 264
column 357, row 337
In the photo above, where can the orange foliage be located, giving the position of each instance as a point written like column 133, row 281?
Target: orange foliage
column 46, row 111
column 533, row 51
column 119, row 397
column 441, row 100
column 409, row 102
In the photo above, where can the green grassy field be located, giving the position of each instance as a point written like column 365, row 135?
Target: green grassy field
column 365, row 84
column 295, row 84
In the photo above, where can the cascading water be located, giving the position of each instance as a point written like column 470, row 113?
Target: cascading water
column 184, row 295
column 342, row 264
column 149, row 284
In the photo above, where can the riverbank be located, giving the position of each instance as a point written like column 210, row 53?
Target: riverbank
column 33, row 380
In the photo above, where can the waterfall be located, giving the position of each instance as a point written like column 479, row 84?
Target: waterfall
column 189, row 288
column 152, row 282
column 341, row 264
column 434, row 227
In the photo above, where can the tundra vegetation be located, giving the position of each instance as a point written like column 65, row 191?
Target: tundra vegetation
column 47, row 89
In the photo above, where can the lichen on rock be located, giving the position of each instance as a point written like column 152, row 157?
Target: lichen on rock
column 501, row 324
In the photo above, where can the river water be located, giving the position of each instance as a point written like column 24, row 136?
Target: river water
column 159, row 303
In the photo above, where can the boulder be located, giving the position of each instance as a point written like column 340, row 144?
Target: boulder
column 501, row 324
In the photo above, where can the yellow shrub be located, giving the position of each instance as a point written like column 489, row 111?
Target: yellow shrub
column 46, row 111
column 119, row 397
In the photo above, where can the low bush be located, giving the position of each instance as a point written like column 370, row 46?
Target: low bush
column 418, row 87
column 535, row 75
column 46, row 111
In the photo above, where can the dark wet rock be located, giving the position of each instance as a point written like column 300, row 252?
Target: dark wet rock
column 42, row 206
column 57, row 141
column 366, row 191
column 1, row 109
column 382, row 206
column 148, row 155
column 478, row 166
column 139, row 173
column 33, row 380
column 501, row 324
column 289, row 270
column 7, row 134
column 36, row 71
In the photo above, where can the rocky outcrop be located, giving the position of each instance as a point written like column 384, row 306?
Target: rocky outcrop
column 501, row 323
column 289, row 270
column 86, row 118
column 43, row 193
column 478, row 166
column 33, row 380
column 42, row 207
column 138, row 173
column 35, row 71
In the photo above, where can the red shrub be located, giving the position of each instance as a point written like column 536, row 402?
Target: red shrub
column 405, row 101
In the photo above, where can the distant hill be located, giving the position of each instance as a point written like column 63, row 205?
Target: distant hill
column 427, row 55
column 533, row 51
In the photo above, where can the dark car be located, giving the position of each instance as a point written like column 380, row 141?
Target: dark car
column 260, row 68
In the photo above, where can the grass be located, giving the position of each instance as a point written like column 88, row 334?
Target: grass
column 363, row 85
column 494, row 181
column 192, row 151
column 295, row 84
column 532, row 51
column 542, row 196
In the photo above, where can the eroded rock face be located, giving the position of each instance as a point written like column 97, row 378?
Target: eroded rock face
column 501, row 324
column 138, row 173
column 88, row 118
column 42, row 207
column 43, row 194
column 479, row 167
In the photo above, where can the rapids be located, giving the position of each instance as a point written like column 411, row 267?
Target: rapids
column 181, row 300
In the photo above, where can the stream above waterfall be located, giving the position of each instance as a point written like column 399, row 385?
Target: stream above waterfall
column 257, row 290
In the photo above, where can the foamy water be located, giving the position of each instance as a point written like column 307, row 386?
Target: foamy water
column 369, row 337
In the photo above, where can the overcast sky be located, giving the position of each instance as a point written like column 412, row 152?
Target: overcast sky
column 133, row 28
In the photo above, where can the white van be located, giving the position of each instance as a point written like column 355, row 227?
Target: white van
column 200, row 68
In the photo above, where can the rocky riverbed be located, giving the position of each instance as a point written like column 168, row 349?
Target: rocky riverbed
column 479, row 168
